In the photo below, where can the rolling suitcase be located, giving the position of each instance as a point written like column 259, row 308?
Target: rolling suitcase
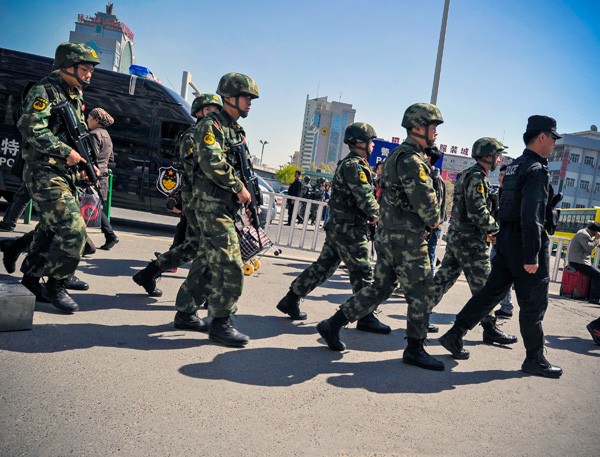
column 574, row 283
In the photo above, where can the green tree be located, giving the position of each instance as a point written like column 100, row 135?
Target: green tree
column 328, row 167
column 286, row 174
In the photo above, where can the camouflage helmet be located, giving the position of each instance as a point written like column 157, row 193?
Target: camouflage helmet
column 70, row 54
column 487, row 146
column 421, row 115
column 234, row 84
column 205, row 100
column 359, row 131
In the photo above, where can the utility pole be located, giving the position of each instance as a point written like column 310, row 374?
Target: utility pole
column 440, row 54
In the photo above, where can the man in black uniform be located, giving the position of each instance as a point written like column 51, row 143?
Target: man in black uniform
column 526, row 212
column 294, row 190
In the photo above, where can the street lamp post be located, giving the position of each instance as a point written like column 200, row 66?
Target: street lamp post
column 263, row 149
column 440, row 54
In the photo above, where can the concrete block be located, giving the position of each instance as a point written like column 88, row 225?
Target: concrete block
column 16, row 306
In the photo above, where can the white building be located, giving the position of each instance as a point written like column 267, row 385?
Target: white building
column 111, row 39
column 323, row 130
column 575, row 168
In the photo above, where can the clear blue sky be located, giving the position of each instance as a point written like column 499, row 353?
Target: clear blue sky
column 503, row 61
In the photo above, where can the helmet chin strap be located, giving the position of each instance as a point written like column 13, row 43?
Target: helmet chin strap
column 425, row 137
column 75, row 75
column 242, row 113
column 491, row 162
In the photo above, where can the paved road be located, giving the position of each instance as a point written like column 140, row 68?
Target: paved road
column 117, row 379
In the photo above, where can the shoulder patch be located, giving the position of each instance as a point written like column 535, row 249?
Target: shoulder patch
column 362, row 176
column 480, row 188
column 209, row 138
column 40, row 104
column 422, row 174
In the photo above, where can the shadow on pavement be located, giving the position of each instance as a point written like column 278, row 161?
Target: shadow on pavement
column 573, row 344
column 49, row 338
column 275, row 367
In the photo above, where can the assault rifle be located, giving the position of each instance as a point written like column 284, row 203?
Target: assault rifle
column 78, row 138
column 249, row 179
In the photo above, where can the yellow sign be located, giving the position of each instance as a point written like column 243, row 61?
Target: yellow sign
column 40, row 104
column 209, row 138
column 362, row 176
column 324, row 131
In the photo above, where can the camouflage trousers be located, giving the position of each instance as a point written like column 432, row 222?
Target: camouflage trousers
column 59, row 237
column 342, row 243
column 465, row 252
column 188, row 250
column 194, row 291
column 216, row 275
column 402, row 257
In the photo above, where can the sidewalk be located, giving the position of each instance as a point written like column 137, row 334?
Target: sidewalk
column 117, row 379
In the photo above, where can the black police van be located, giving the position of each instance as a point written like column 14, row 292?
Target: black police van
column 149, row 118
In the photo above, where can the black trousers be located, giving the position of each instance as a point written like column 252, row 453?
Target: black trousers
column 531, row 289
column 180, row 231
column 594, row 274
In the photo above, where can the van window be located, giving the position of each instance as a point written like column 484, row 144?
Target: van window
column 9, row 105
column 170, row 132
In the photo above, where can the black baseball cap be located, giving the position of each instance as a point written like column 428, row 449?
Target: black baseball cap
column 539, row 123
column 594, row 227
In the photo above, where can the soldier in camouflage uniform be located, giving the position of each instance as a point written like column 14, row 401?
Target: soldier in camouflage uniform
column 408, row 205
column 352, row 206
column 471, row 224
column 189, row 249
column 50, row 175
column 219, row 196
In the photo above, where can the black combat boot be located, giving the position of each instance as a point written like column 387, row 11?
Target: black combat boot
column 492, row 334
column 222, row 331
column 330, row 328
column 74, row 283
column 537, row 365
column 12, row 249
column 58, row 296
column 415, row 354
column 111, row 241
column 370, row 323
column 290, row 305
column 452, row 340
column 33, row 284
column 185, row 321
column 147, row 279
column 431, row 328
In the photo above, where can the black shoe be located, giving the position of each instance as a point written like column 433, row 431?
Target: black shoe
column 185, row 321
column 492, row 334
column 290, row 305
column 110, row 243
column 74, row 283
column 11, row 252
column 331, row 335
column 33, row 285
column 6, row 227
column 431, row 328
column 147, row 279
column 594, row 301
column 370, row 323
column 503, row 314
column 453, row 342
column 222, row 331
column 594, row 329
column 415, row 354
column 58, row 296
column 539, row 366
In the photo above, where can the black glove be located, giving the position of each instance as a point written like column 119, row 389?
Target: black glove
column 434, row 153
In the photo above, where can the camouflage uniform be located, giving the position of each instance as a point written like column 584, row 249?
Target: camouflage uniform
column 467, row 248
column 60, row 236
column 352, row 203
column 192, row 293
column 215, row 200
column 408, row 204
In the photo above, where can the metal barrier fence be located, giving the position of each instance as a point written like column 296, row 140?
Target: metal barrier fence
column 304, row 235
